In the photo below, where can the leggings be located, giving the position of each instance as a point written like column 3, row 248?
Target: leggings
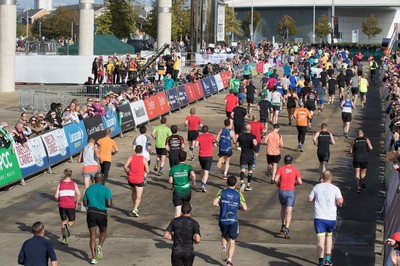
column 301, row 136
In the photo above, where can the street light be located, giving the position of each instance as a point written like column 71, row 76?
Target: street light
column 313, row 31
column 333, row 21
column 252, row 22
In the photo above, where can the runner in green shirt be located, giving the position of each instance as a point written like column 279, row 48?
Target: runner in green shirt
column 234, row 85
column 179, row 177
column 160, row 134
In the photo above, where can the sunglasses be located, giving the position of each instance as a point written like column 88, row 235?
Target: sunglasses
column 33, row 120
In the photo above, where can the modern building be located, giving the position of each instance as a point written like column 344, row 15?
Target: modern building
column 31, row 15
column 43, row 4
column 348, row 17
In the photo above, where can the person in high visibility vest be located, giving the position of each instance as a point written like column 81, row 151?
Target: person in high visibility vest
column 373, row 66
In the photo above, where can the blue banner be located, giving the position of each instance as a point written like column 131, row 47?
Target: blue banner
column 111, row 121
column 76, row 136
column 182, row 96
column 207, row 87
column 172, row 97
column 214, row 86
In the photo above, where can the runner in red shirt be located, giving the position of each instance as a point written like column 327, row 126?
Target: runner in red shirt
column 206, row 143
column 258, row 130
column 231, row 102
column 192, row 122
column 286, row 178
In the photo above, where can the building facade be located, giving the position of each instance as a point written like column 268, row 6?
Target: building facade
column 43, row 4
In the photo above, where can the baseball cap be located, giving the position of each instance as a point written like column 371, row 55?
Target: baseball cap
column 396, row 236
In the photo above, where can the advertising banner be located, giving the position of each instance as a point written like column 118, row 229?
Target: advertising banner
column 190, row 91
column 95, row 127
column 173, row 99
column 139, row 112
column 111, row 121
column 225, row 76
column 56, row 146
column 182, row 96
column 9, row 167
column 125, row 117
column 31, row 156
column 77, row 137
column 198, row 90
column 206, row 86
column 218, row 80
column 156, row 105
column 214, row 86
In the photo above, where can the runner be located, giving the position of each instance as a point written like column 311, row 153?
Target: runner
column 320, row 91
column 247, row 142
column 301, row 115
column 68, row 197
column 229, row 201
column 258, row 130
column 250, row 91
column 193, row 123
column 363, row 87
column 179, row 177
column 231, row 101
column 359, row 148
column 323, row 139
column 234, row 83
column 331, row 90
column 136, row 167
column 349, row 74
column 184, row 231
column 108, row 148
column 265, row 108
column 174, row 144
column 347, row 106
column 247, row 71
column 277, row 99
column 354, row 83
column 311, row 99
column 326, row 196
column 160, row 134
column 291, row 99
column 89, row 157
column 205, row 142
column 224, row 138
column 341, row 82
column 143, row 140
column 286, row 178
column 97, row 198
column 239, row 114
column 274, row 141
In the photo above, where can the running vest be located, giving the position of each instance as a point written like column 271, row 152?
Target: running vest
column 347, row 106
column 363, row 85
column 229, row 205
column 324, row 140
column 225, row 141
column 360, row 149
column 88, row 156
column 136, row 170
column 66, row 197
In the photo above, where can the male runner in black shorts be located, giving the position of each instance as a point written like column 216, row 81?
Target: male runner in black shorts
column 323, row 139
column 250, row 90
column 360, row 147
column 247, row 142
column 265, row 108
column 331, row 89
column 239, row 114
column 174, row 144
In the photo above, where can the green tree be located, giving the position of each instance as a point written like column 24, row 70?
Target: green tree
column 103, row 23
column 246, row 23
column 287, row 27
column 322, row 27
column 150, row 26
column 123, row 18
column 232, row 23
column 370, row 27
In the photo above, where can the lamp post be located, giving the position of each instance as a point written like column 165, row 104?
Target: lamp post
column 252, row 22
column 313, row 31
column 233, row 7
column 333, row 21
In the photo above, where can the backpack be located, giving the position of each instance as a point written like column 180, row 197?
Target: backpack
column 225, row 141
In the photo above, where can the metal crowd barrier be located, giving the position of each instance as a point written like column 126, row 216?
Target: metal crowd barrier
column 43, row 99
column 25, row 99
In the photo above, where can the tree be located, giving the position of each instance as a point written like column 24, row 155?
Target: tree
column 246, row 24
column 123, row 18
column 103, row 23
column 370, row 27
column 150, row 26
column 232, row 23
column 287, row 27
column 322, row 27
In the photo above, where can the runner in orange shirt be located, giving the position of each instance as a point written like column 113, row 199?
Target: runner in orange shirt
column 108, row 147
column 274, row 141
column 301, row 114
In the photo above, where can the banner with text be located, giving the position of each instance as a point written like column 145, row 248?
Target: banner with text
column 32, row 157
column 77, row 137
column 9, row 167
column 182, row 96
column 111, row 121
column 125, row 117
column 209, row 86
column 56, row 146
column 225, row 76
column 218, row 80
column 173, row 99
column 139, row 112
column 156, row 105
column 95, row 127
column 202, row 59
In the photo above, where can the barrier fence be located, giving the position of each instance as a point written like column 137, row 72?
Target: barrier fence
column 44, row 151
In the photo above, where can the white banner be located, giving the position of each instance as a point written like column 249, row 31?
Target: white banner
column 139, row 112
column 54, row 142
column 202, row 59
column 31, row 154
column 218, row 79
column 53, row 69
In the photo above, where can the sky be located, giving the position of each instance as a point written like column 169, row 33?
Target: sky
column 29, row 3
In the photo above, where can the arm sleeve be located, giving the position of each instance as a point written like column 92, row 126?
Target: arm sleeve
column 312, row 194
column 21, row 256
column 196, row 229
column 338, row 194
column 108, row 194
column 170, row 227
column 50, row 252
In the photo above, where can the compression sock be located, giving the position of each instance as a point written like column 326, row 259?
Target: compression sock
column 242, row 175
column 249, row 177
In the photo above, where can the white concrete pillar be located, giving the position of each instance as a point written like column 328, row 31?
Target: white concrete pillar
column 164, row 22
column 86, row 27
column 8, row 35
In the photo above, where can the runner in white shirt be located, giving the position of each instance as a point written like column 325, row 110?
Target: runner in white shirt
column 326, row 197
column 145, row 142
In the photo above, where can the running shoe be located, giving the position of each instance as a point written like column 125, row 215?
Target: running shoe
column 219, row 164
column 272, row 181
column 192, row 158
column 239, row 148
column 82, row 209
column 229, row 263
column 362, row 181
column 301, row 149
column 94, row 261
column 283, row 228
column 67, row 233
column 328, row 263
column 135, row 212
column 64, row 240
column 203, row 188
column 99, row 252
column 359, row 190
column 156, row 167
column 248, row 188
column 286, row 232
column 242, row 187
column 224, row 254
column 224, row 177
column 159, row 173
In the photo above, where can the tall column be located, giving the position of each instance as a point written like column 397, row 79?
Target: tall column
column 8, row 34
column 86, row 27
column 164, row 22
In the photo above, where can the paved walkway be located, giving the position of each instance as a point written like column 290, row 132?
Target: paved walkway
column 138, row 241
